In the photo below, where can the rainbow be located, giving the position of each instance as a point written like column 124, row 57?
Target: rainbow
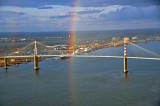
column 72, row 33
column 71, row 45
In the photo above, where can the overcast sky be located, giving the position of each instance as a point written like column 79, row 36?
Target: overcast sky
column 55, row 15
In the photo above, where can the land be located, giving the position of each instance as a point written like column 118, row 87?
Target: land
column 83, row 46
column 10, row 45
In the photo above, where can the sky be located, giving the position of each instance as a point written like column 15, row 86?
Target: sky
column 78, row 15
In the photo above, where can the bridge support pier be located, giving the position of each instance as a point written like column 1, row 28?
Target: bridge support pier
column 5, row 63
column 36, row 62
column 126, row 40
column 125, row 64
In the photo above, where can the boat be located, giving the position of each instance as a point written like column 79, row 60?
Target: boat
column 64, row 57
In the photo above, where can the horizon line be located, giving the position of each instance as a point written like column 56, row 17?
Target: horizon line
column 79, row 30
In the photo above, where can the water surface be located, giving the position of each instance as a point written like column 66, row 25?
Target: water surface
column 81, row 82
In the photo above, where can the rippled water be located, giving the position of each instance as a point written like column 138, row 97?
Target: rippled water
column 81, row 82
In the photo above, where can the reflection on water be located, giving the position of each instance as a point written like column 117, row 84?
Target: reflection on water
column 125, row 76
column 6, row 70
column 36, row 73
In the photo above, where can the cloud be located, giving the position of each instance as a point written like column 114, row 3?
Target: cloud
column 82, row 3
column 61, row 16
column 30, row 11
column 136, row 3
column 58, row 11
column 89, row 11
column 35, row 3
column 133, row 13
column 45, row 7
column 11, row 13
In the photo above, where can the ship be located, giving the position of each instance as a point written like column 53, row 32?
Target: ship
column 64, row 57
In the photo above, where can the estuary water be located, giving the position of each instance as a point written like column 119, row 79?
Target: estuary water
column 82, row 82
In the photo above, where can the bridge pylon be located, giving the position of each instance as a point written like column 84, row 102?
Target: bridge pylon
column 125, row 55
column 36, row 62
column 35, row 56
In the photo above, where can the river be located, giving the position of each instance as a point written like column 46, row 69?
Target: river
column 82, row 82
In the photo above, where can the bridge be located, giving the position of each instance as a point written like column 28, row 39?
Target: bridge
column 36, row 51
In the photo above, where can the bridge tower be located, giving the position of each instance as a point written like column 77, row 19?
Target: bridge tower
column 5, row 62
column 35, row 56
column 125, row 59
column 125, row 54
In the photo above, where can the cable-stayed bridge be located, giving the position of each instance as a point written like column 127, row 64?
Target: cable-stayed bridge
column 36, row 50
column 133, row 51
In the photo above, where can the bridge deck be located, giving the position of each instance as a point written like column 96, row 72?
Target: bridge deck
column 31, row 56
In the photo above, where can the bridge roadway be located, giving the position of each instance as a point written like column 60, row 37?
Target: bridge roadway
column 31, row 56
